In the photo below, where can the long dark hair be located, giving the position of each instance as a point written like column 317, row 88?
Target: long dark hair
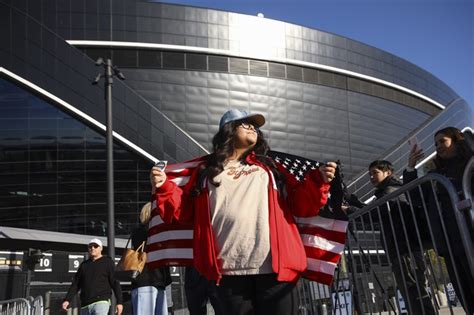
column 463, row 152
column 223, row 147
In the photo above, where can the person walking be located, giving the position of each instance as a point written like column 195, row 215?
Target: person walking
column 149, row 287
column 95, row 281
column 242, row 205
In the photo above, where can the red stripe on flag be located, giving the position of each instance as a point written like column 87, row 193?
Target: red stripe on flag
column 169, row 227
column 317, row 276
column 170, row 244
column 321, row 254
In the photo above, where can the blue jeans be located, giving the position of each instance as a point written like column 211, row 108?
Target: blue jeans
column 99, row 308
column 149, row 301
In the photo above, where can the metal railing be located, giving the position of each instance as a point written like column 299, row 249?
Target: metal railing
column 37, row 305
column 395, row 243
column 22, row 306
column 15, row 306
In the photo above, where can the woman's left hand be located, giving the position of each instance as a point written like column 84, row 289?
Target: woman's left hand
column 328, row 171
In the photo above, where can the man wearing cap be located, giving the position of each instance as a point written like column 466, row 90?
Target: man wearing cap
column 242, row 205
column 95, row 280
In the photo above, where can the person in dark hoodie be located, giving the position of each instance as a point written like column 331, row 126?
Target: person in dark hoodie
column 401, row 240
column 149, row 287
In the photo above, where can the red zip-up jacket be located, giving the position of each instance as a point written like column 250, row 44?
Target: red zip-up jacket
column 303, row 199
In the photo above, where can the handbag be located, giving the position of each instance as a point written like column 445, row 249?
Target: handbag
column 131, row 263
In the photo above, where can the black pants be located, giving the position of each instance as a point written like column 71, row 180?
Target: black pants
column 466, row 280
column 199, row 291
column 257, row 295
column 408, row 272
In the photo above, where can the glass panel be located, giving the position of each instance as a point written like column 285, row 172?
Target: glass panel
column 149, row 59
column 173, row 60
column 125, row 58
column 53, row 170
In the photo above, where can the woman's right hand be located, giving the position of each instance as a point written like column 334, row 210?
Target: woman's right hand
column 65, row 305
column 416, row 153
column 157, row 178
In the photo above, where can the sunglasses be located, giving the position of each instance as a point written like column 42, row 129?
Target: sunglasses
column 93, row 246
column 248, row 126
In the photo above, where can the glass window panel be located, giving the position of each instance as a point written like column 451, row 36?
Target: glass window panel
column 173, row 60
column 238, row 65
column 294, row 73
column 53, row 170
column 196, row 62
column 14, row 124
column 276, row 70
column 259, row 68
column 217, row 63
column 149, row 59
column 310, row 75
column 96, row 53
column 125, row 58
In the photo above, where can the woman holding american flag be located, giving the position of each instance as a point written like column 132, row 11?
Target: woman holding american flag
column 241, row 204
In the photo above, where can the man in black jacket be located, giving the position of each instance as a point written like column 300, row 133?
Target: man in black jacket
column 401, row 240
column 95, row 280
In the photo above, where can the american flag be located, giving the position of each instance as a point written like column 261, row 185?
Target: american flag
column 323, row 235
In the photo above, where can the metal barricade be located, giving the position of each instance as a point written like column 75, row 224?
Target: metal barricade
column 22, row 306
column 313, row 297
column 37, row 305
column 395, row 243
column 15, row 307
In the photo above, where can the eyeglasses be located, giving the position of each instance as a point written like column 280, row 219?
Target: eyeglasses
column 248, row 126
column 93, row 246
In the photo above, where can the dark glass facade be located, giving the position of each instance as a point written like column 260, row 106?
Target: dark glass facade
column 53, row 170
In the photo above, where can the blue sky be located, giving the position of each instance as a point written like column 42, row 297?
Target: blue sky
column 436, row 35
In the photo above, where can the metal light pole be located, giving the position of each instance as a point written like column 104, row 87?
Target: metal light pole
column 109, row 72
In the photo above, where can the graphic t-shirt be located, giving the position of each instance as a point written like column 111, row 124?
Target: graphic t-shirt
column 239, row 216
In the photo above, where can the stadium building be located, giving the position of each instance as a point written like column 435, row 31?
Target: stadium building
column 325, row 97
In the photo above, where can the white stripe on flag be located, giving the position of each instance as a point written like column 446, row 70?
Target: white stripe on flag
column 170, row 253
column 182, row 166
column 181, row 181
column 321, row 266
column 325, row 223
column 170, row 235
column 322, row 243
column 155, row 220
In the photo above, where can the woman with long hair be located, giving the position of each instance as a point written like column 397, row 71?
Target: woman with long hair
column 242, row 205
column 149, row 287
column 452, row 155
